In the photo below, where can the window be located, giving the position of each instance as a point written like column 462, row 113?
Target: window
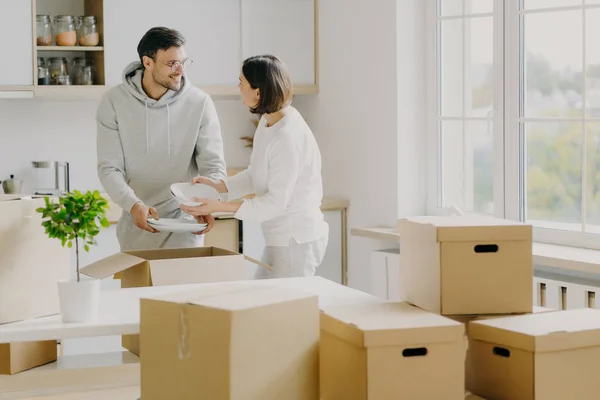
column 467, row 132
column 525, row 142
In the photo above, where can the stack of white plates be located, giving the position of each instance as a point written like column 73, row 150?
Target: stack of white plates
column 184, row 193
column 176, row 225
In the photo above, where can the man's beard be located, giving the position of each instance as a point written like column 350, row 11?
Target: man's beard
column 167, row 83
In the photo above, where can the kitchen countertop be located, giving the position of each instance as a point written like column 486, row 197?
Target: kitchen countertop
column 328, row 204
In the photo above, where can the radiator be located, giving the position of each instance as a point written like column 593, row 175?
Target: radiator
column 563, row 295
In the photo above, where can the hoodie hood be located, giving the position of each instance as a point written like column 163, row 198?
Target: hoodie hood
column 132, row 77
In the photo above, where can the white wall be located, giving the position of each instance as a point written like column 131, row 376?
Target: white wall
column 368, row 118
column 66, row 131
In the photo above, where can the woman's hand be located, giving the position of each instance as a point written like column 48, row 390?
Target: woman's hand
column 218, row 185
column 209, row 220
column 209, row 206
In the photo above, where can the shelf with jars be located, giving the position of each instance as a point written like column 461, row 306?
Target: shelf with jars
column 68, row 37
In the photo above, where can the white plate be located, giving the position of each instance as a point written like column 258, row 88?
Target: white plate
column 185, row 192
column 176, row 225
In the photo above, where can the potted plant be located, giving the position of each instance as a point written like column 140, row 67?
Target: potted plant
column 76, row 217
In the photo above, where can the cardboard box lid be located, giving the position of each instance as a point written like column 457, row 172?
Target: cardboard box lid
column 389, row 324
column 111, row 265
column 127, row 259
column 542, row 332
column 464, row 228
column 233, row 296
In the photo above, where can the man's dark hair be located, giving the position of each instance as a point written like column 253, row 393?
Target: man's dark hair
column 269, row 75
column 159, row 38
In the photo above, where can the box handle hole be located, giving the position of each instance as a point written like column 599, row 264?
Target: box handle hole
column 502, row 352
column 417, row 352
column 486, row 248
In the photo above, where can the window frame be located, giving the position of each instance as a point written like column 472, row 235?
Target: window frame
column 508, row 139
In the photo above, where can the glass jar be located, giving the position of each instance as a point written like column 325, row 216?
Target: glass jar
column 43, row 75
column 88, row 33
column 63, row 80
column 87, row 75
column 57, row 67
column 65, row 31
column 77, row 70
column 43, row 29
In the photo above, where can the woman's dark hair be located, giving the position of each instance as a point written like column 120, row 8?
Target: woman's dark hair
column 159, row 38
column 270, row 76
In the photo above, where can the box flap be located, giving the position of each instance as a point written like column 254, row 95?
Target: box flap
column 464, row 228
column 235, row 296
column 188, row 252
column 542, row 332
column 389, row 324
column 111, row 265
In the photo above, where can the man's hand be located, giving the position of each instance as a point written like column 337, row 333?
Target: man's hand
column 205, row 219
column 218, row 185
column 140, row 214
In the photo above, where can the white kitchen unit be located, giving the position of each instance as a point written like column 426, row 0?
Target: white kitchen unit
column 285, row 28
column 332, row 265
column 220, row 35
column 212, row 30
column 16, row 68
column 386, row 281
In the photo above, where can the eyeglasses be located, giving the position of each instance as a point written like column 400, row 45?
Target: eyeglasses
column 174, row 65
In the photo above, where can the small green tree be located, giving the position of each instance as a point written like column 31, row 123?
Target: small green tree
column 76, row 216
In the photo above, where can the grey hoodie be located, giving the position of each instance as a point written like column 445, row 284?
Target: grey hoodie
column 145, row 145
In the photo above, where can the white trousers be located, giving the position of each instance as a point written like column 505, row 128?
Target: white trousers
column 294, row 260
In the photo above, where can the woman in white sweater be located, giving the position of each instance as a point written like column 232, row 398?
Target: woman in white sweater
column 284, row 174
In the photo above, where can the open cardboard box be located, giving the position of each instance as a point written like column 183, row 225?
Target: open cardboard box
column 169, row 267
column 30, row 267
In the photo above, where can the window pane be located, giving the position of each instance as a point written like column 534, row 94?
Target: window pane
column 450, row 7
column 592, row 222
column 554, row 174
column 451, row 64
column 553, row 54
column 531, row 4
column 479, row 85
column 467, row 165
column 454, row 7
column 592, row 55
column 479, row 6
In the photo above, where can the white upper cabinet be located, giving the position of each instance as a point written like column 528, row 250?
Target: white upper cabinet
column 285, row 28
column 16, row 27
column 211, row 29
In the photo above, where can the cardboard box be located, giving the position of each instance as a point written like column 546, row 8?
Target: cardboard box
column 470, row 365
column 31, row 263
column 470, row 396
column 551, row 355
column 467, row 265
column 22, row 356
column 230, row 342
column 390, row 351
column 168, row 267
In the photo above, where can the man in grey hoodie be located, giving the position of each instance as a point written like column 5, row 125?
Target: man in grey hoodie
column 156, row 129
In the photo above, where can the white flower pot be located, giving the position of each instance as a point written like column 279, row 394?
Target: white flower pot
column 79, row 300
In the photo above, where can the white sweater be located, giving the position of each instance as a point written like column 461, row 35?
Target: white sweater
column 285, row 175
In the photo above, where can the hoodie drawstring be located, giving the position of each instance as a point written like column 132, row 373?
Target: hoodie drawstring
column 169, row 130
column 147, row 140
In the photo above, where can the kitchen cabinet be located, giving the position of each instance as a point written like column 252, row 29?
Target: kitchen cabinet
column 211, row 28
column 385, row 274
column 16, row 27
column 333, row 264
column 285, row 28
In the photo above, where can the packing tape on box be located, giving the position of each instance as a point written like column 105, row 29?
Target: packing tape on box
column 184, row 348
